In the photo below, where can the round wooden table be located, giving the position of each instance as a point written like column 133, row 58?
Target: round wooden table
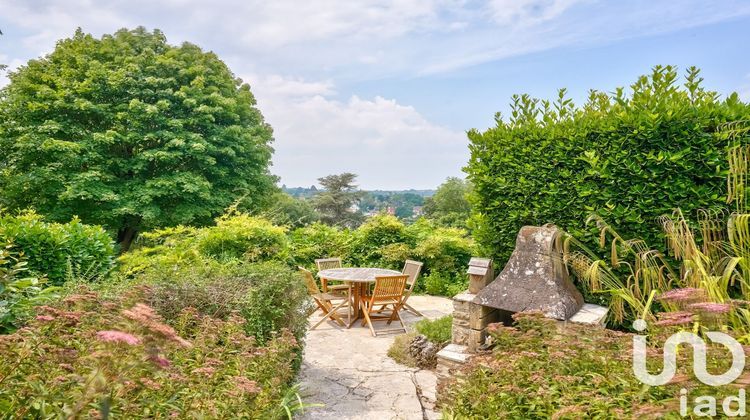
column 357, row 278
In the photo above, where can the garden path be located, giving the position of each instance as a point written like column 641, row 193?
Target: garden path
column 350, row 372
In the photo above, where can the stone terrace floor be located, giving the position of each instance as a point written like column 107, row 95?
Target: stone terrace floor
column 350, row 372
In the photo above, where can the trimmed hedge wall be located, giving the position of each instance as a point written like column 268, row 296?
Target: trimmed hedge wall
column 630, row 158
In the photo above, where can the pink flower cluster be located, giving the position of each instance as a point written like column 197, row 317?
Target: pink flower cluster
column 682, row 295
column 113, row 336
column 710, row 307
column 246, row 385
column 149, row 319
column 675, row 318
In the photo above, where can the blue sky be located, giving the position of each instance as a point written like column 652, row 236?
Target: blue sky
column 387, row 89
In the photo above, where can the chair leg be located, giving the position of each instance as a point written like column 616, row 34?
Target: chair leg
column 369, row 323
column 394, row 314
column 323, row 308
column 332, row 314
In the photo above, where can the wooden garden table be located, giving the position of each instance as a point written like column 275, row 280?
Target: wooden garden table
column 358, row 279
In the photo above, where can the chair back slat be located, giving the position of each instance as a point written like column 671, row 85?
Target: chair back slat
column 412, row 269
column 328, row 263
column 389, row 287
column 312, row 285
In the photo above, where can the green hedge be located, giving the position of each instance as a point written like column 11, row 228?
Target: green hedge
column 59, row 250
column 384, row 241
column 630, row 158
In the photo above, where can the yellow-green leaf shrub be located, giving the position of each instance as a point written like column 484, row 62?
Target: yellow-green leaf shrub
column 246, row 237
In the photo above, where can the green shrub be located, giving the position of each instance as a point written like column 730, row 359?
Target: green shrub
column 541, row 369
column 374, row 235
column 270, row 296
column 319, row 241
column 628, row 158
column 90, row 357
column 246, row 237
column 437, row 331
column 445, row 284
column 57, row 250
column 446, row 250
column 19, row 293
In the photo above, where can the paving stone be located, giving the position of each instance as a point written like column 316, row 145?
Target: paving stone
column 349, row 371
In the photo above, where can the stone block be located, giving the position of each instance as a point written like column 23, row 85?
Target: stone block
column 460, row 335
column 477, row 283
column 476, row 339
column 481, row 316
column 461, row 322
column 462, row 305
column 590, row 314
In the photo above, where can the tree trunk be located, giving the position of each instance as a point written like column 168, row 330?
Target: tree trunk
column 125, row 238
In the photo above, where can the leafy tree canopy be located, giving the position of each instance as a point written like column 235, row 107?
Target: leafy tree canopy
column 291, row 211
column 131, row 133
column 336, row 201
column 450, row 205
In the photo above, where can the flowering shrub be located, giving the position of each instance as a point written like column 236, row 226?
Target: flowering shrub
column 95, row 357
column 543, row 369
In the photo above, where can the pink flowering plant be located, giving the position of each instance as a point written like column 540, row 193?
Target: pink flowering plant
column 541, row 368
column 89, row 356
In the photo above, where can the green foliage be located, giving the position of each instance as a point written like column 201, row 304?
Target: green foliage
column 438, row 331
column 131, row 133
column 318, row 241
column 372, row 238
column 94, row 357
column 244, row 236
column 335, row 202
column 290, row 211
column 445, row 284
column 542, row 369
column 450, row 205
column 628, row 158
column 56, row 250
column 19, row 293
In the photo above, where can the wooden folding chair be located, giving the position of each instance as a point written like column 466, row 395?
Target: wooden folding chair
column 323, row 300
column 388, row 291
column 325, row 264
column 412, row 269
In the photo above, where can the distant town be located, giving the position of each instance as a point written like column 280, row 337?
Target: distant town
column 404, row 204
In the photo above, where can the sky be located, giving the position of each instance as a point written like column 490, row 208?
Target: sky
column 388, row 89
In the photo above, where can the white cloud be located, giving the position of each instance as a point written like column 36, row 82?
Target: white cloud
column 527, row 12
column 325, row 48
column 388, row 144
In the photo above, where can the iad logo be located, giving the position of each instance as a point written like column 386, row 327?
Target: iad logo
column 705, row 405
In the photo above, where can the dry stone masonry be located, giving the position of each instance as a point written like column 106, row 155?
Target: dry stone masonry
column 534, row 278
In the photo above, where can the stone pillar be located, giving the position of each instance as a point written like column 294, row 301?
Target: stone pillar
column 470, row 320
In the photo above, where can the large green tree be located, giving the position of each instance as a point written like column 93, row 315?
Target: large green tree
column 450, row 205
column 336, row 202
column 131, row 133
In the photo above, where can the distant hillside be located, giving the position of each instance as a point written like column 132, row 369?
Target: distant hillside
column 309, row 192
column 404, row 204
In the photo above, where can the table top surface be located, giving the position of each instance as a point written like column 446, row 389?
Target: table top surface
column 358, row 274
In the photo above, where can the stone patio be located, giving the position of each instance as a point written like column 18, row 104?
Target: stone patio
column 350, row 372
